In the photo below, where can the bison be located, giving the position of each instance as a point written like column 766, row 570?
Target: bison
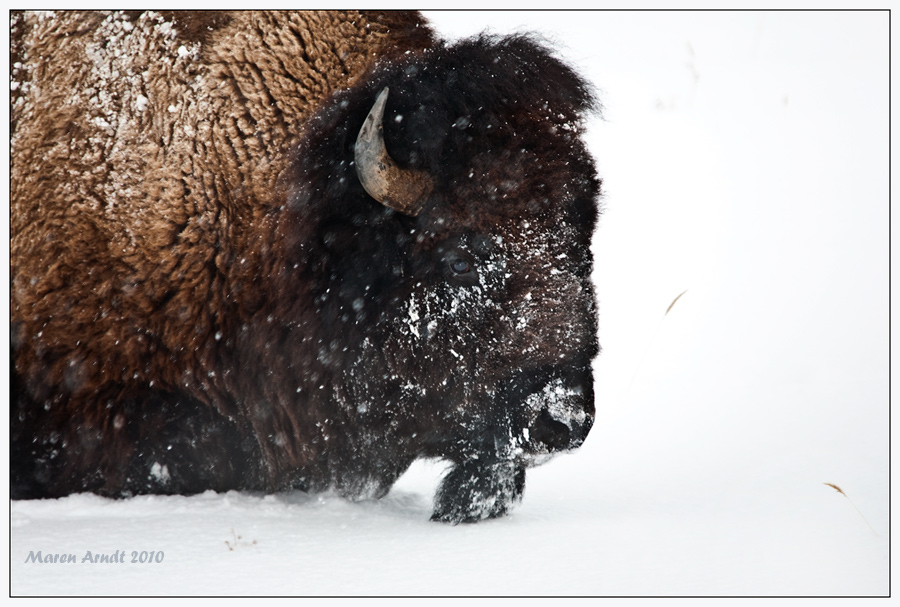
column 295, row 251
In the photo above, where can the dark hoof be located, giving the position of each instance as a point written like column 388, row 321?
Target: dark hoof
column 475, row 491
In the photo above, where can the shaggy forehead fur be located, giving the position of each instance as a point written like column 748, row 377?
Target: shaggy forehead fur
column 495, row 121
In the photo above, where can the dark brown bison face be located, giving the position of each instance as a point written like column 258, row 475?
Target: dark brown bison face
column 467, row 312
column 501, row 303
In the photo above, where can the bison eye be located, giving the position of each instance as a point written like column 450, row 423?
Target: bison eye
column 457, row 266
column 460, row 266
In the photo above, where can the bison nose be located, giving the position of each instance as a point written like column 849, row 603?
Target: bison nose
column 557, row 435
column 552, row 433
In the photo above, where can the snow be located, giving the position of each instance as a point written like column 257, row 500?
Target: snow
column 745, row 160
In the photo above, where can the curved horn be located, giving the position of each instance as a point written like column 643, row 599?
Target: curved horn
column 403, row 190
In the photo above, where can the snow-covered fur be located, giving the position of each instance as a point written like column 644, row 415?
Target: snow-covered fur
column 203, row 296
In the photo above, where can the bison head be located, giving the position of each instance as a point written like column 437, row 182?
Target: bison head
column 446, row 228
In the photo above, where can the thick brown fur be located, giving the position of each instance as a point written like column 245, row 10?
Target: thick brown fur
column 204, row 297
column 207, row 147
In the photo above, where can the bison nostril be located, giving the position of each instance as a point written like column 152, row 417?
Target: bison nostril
column 551, row 432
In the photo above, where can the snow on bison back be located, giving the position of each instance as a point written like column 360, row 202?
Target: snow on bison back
column 287, row 250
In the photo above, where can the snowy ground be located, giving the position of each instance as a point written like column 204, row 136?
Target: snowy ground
column 745, row 160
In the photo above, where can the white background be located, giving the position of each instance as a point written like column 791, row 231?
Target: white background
column 745, row 159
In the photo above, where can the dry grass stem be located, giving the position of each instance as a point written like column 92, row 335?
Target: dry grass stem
column 673, row 302
column 841, row 491
column 650, row 343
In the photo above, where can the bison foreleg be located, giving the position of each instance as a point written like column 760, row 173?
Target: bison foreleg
column 476, row 490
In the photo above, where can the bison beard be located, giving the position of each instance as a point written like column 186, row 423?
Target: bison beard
column 288, row 327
